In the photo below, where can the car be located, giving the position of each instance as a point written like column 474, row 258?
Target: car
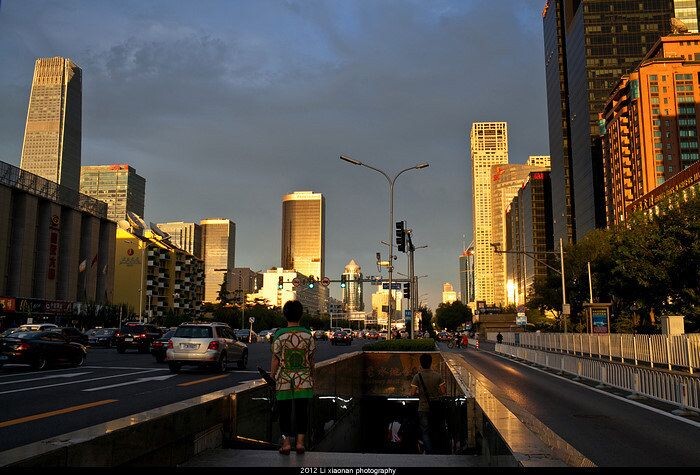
column 444, row 336
column 73, row 334
column 8, row 331
column 36, row 327
column 102, row 337
column 341, row 337
column 160, row 346
column 136, row 335
column 382, row 335
column 320, row 335
column 246, row 336
column 331, row 331
column 205, row 344
column 372, row 335
column 40, row 349
column 267, row 334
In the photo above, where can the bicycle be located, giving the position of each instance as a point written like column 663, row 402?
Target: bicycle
column 451, row 344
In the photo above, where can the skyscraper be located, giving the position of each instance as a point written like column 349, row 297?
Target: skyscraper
column 219, row 250
column 589, row 45
column 118, row 185
column 303, row 233
column 448, row 293
column 186, row 236
column 352, row 293
column 466, row 276
column 53, row 132
column 507, row 181
column 489, row 146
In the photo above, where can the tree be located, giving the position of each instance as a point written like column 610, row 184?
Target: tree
column 453, row 315
column 223, row 295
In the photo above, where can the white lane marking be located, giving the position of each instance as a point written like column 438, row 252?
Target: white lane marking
column 29, row 373
column 140, row 380
column 75, row 382
column 69, row 375
column 623, row 399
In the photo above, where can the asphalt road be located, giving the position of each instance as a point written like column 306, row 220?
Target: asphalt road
column 609, row 431
column 40, row 404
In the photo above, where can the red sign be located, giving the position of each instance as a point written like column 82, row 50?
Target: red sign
column 538, row 176
column 326, row 282
column 129, row 252
column 296, row 282
column 53, row 247
column 7, row 304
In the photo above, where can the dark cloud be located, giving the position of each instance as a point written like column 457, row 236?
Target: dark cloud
column 226, row 106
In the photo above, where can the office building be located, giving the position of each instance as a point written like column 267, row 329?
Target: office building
column 53, row 131
column 589, row 45
column 530, row 221
column 56, row 247
column 448, row 293
column 245, row 280
column 380, row 307
column 506, row 182
column 274, row 294
column 118, row 185
column 466, row 275
column 651, row 123
column 186, row 236
column 219, row 251
column 489, row 146
column 352, row 293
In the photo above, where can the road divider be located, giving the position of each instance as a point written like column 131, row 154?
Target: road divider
column 57, row 412
column 198, row 381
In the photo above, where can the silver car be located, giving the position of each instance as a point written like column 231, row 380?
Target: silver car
column 205, row 344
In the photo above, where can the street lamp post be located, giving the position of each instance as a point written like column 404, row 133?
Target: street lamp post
column 143, row 263
column 391, row 223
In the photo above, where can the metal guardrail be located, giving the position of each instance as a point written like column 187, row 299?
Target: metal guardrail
column 673, row 351
column 676, row 389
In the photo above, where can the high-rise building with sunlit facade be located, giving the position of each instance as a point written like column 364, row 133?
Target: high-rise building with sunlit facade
column 219, row 250
column 489, row 146
column 118, row 185
column 53, row 131
column 186, row 236
column 352, row 293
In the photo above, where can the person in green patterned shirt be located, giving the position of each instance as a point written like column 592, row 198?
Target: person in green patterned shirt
column 292, row 367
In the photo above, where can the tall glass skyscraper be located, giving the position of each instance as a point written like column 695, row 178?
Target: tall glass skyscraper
column 117, row 185
column 53, row 132
column 219, row 249
column 352, row 293
column 303, row 233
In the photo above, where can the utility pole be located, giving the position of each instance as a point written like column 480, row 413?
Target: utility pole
column 412, row 280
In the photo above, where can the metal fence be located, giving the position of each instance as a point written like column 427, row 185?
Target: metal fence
column 676, row 352
column 676, row 389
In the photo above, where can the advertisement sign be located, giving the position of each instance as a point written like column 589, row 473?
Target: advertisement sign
column 7, row 304
column 521, row 319
column 599, row 320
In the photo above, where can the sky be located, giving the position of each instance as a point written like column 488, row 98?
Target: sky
column 226, row 106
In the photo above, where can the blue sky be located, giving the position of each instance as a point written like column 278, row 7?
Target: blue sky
column 225, row 106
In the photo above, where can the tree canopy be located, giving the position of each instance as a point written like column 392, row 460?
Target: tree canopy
column 452, row 315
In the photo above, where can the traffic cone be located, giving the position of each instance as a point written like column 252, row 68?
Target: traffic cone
column 477, row 343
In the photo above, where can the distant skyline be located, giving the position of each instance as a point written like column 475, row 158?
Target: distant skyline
column 224, row 107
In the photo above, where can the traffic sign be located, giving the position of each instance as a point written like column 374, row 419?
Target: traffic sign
column 296, row 282
column 407, row 313
column 325, row 282
column 394, row 285
column 251, row 319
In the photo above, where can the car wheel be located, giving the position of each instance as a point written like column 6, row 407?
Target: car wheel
column 223, row 363
column 120, row 349
column 243, row 362
column 79, row 360
column 174, row 367
column 40, row 363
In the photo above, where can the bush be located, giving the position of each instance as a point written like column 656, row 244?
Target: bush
column 421, row 344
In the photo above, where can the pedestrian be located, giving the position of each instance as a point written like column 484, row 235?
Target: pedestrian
column 428, row 385
column 465, row 340
column 293, row 369
column 499, row 338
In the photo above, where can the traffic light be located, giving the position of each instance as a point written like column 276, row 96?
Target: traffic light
column 343, row 281
column 280, row 282
column 400, row 236
column 311, row 282
column 406, row 290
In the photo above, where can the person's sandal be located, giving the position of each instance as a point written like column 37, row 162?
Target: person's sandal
column 300, row 449
column 286, row 446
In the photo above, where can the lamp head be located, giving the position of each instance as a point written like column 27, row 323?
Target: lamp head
column 422, row 165
column 350, row 160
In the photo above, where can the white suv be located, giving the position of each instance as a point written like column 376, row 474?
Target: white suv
column 205, row 344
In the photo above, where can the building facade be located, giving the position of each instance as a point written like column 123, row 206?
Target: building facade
column 448, row 293
column 466, row 276
column 589, row 45
column 53, row 131
column 186, row 236
column 56, row 244
column 275, row 294
column 118, row 185
column 507, row 181
column 353, row 292
column 219, row 251
column 489, row 146
column 651, row 123
column 303, row 233
column 380, row 307
column 155, row 277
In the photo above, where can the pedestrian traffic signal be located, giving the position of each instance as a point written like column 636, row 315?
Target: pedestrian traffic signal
column 280, row 282
column 312, row 282
column 343, row 281
column 406, row 290
column 400, row 236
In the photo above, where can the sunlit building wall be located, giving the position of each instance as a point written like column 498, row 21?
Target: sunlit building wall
column 219, row 251
column 53, row 131
column 448, row 293
column 489, row 146
column 118, row 185
column 380, row 303
column 466, row 276
column 186, row 236
column 352, row 293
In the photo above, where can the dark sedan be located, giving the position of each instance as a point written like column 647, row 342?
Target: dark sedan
column 136, row 335
column 72, row 334
column 160, row 346
column 341, row 337
column 102, row 337
column 40, row 349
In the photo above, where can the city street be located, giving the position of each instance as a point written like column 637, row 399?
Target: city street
column 41, row 404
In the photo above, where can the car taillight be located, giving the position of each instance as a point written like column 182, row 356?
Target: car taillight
column 142, row 335
column 22, row 347
column 214, row 345
column 157, row 344
column 116, row 334
column 170, row 344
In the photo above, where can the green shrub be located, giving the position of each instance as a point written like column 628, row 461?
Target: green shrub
column 421, row 344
